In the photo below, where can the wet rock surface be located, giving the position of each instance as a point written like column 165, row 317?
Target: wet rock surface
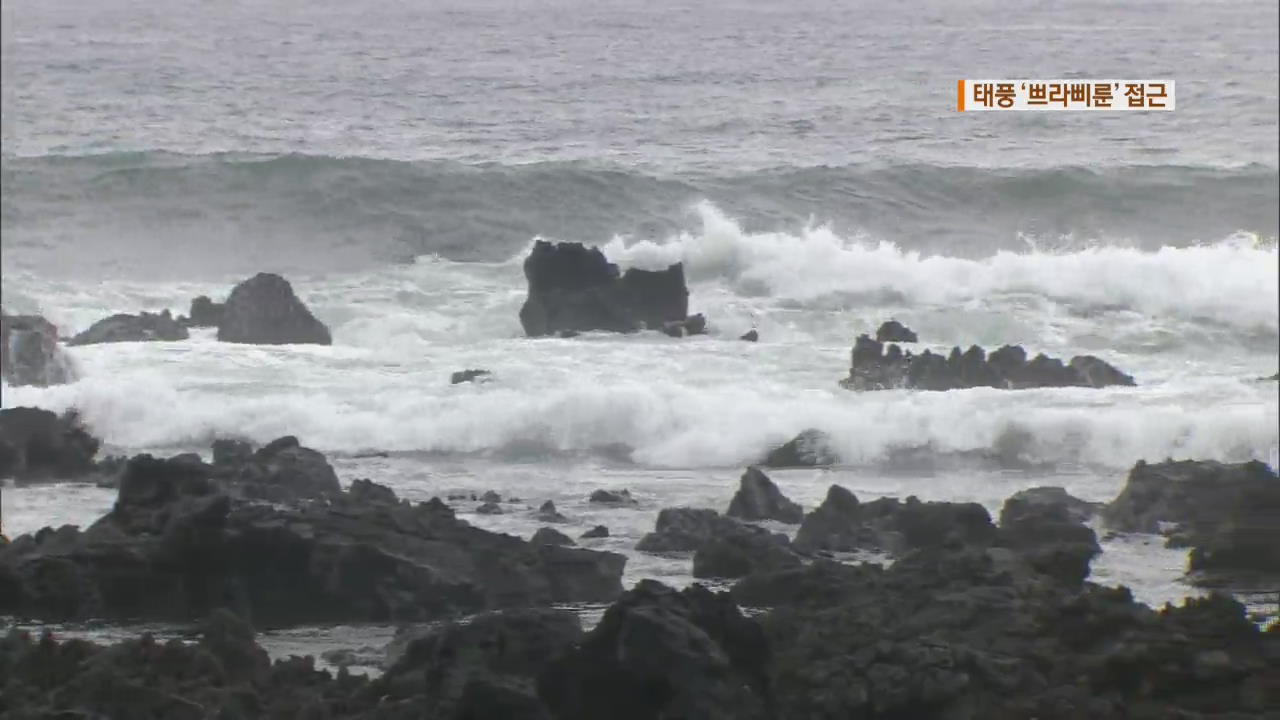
column 142, row 327
column 810, row 448
column 464, row 376
column 574, row 289
column 1228, row 513
column 275, row 539
column 894, row 331
column 758, row 498
column 205, row 312
column 877, row 366
column 29, row 352
column 721, row 546
column 39, row 445
column 264, row 310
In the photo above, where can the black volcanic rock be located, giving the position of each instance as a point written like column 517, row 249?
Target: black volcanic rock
column 575, row 289
column 758, row 498
column 29, row 352
column 1046, row 526
column 263, row 310
column 658, row 653
column 132, row 328
column 205, row 312
column 721, row 546
column 38, row 445
column 469, row 376
column 751, row 335
column 550, row 536
column 894, row 331
column 1226, row 512
column 599, row 531
column 811, row 448
column 185, row 538
column 843, row 524
column 547, row 513
column 609, row 497
column 873, row 366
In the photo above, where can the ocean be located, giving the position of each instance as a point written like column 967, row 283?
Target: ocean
column 396, row 162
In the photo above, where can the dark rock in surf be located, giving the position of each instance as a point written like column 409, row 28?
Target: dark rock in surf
column 843, row 524
column 205, row 312
column 722, row 546
column 38, row 445
column 811, row 448
column 490, row 496
column 183, row 540
column 263, row 310
column 142, row 327
column 547, row 513
column 550, row 536
column 29, row 352
column 659, row 653
column 1027, row 501
column 693, row 325
column 599, row 531
column 575, row 289
column 750, row 336
column 469, row 376
column 894, row 331
column 1226, row 512
column 489, row 508
column 608, row 497
column 758, row 498
column 873, row 366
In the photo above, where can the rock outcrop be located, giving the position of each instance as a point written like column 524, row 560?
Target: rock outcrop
column 185, row 538
column 1227, row 513
column 659, row 653
column 205, row 312
column 758, row 498
column 1046, row 527
column 894, row 331
column 811, row 448
column 38, row 445
column 575, row 289
column 843, row 524
column 29, row 352
column 123, row 327
column 873, row 366
column 721, row 546
column 978, row 633
column 751, row 335
column 263, row 310
column 609, row 497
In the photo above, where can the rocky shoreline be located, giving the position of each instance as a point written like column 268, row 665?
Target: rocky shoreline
column 972, row 619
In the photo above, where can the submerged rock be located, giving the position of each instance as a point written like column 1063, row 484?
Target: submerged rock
column 469, row 376
column 810, row 448
column 759, row 499
column 132, row 328
column 548, row 513
column 751, row 335
column 263, row 310
column 29, row 352
column 599, row 531
column 575, row 289
column 1226, row 512
column 38, row 445
column 185, row 538
column 894, row 331
column 608, row 497
column 875, row 367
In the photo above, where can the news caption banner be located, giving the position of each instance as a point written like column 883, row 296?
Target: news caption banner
column 1059, row 95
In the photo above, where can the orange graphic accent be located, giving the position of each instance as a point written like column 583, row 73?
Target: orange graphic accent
column 960, row 95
